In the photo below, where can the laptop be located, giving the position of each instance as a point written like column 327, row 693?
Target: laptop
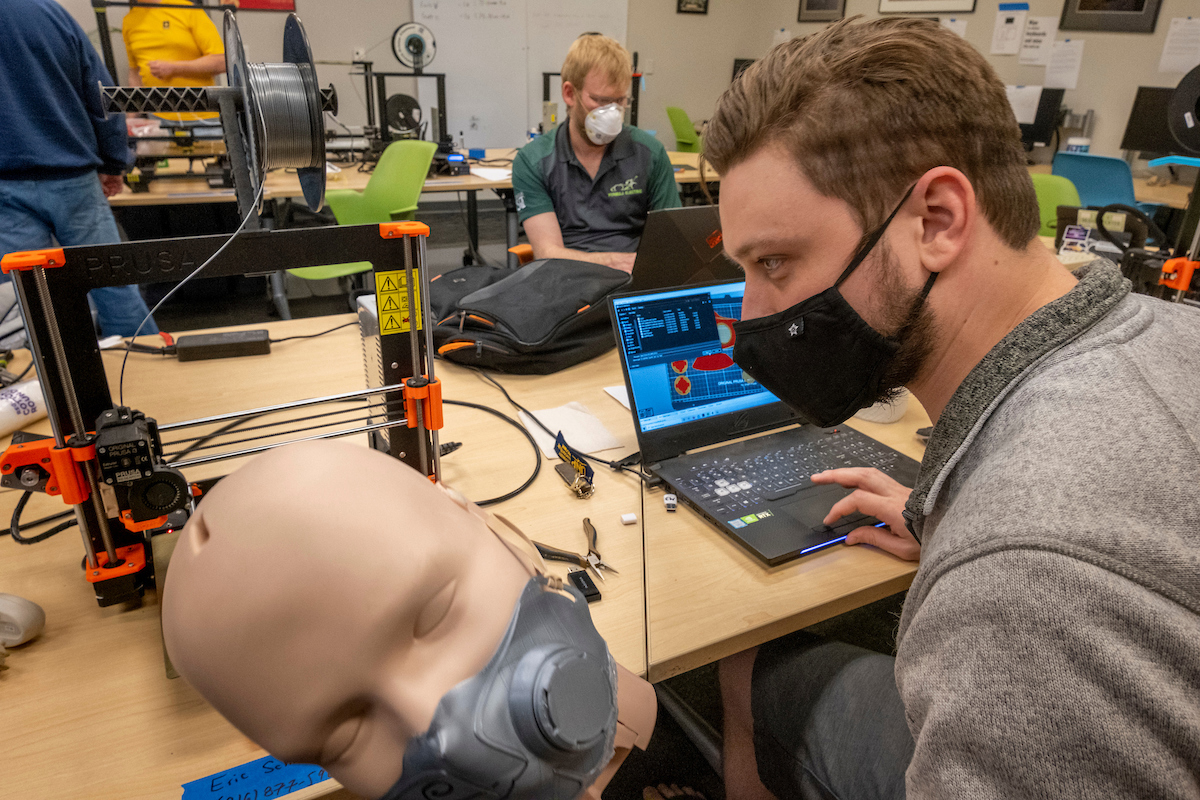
column 693, row 409
column 680, row 246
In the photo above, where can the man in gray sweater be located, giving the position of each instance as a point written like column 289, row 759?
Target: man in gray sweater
column 874, row 190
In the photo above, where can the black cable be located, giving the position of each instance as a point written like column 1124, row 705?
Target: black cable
column 51, row 518
column 1153, row 232
column 313, row 335
column 15, row 527
column 537, row 452
column 150, row 314
column 137, row 347
column 24, row 372
column 610, row 464
column 226, row 428
column 11, row 306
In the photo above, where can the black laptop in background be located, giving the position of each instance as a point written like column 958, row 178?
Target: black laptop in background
column 680, row 246
column 690, row 401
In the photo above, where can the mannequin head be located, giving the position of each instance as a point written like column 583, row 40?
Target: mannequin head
column 324, row 597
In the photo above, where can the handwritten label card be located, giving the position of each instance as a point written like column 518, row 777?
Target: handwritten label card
column 263, row 779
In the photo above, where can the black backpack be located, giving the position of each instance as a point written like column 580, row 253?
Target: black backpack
column 544, row 317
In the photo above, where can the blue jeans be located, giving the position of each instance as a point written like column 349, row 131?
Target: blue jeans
column 828, row 721
column 72, row 211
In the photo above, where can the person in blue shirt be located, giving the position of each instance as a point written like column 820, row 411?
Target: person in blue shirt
column 62, row 156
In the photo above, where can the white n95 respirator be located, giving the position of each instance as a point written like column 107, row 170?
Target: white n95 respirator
column 604, row 123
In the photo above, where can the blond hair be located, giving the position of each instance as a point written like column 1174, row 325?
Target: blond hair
column 591, row 51
column 866, row 108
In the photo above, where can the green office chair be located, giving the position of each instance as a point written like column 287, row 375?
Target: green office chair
column 391, row 194
column 1053, row 191
column 686, row 138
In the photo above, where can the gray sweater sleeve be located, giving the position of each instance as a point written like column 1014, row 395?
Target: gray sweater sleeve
column 1028, row 673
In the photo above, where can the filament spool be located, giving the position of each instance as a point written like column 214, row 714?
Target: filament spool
column 280, row 120
column 1183, row 112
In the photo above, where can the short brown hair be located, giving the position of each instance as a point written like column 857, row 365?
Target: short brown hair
column 592, row 50
column 866, row 108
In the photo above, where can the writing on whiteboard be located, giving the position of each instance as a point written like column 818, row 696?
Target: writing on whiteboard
column 467, row 10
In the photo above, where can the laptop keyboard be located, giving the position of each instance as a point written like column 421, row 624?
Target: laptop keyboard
column 731, row 485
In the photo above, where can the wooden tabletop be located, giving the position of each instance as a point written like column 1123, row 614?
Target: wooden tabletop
column 284, row 183
column 708, row 598
column 280, row 183
column 87, row 709
column 1175, row 195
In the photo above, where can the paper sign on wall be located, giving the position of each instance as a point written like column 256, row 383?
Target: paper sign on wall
column 1038, row 40
column 1065, row 60
column 1024, row 101
column 1181, row 51
column 1010, row 24
column 956, row 24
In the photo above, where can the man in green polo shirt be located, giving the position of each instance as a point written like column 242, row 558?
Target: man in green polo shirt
column 583, row 190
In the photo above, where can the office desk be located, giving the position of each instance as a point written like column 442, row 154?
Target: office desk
column 88, row 711
column 280, row 183
column 1175, row 195
column 707, row 598
column 86, row 708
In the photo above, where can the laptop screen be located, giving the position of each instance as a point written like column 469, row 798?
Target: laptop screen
column 677, row 347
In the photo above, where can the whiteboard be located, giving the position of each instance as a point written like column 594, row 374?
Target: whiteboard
column 493, row 53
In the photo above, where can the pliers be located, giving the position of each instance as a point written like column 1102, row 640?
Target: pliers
column 591, row 561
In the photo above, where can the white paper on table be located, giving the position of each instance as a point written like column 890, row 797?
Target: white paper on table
column 1062, row 71
column 579, row 427
column 1181, row 51
column 492, row 173
column 956, row 24
column 1010, row 24
column 1038, row 40
column 1024, row 101
column 618, row 393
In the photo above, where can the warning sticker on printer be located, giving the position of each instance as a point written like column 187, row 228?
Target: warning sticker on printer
column 391, row 294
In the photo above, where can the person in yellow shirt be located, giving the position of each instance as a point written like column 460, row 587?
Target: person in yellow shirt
column 170, row 43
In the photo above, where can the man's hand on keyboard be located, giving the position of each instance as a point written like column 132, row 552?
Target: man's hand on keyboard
column 878, row 496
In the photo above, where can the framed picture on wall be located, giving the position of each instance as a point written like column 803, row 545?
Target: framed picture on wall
column 691, row 6
column 262, row 5
column 926, row 6
column 821, row 10
column 1122, row 16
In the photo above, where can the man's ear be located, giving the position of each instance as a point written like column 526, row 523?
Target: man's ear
column 945, row 203
column 570, row 94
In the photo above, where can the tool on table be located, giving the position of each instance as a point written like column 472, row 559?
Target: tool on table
column 591, row 561
column 575, row 471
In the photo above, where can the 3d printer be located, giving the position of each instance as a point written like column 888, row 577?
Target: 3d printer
column 111, row 462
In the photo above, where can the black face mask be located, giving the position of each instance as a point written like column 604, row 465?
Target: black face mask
column 819, row 356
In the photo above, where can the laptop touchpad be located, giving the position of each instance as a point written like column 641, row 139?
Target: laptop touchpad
column 811, row 509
